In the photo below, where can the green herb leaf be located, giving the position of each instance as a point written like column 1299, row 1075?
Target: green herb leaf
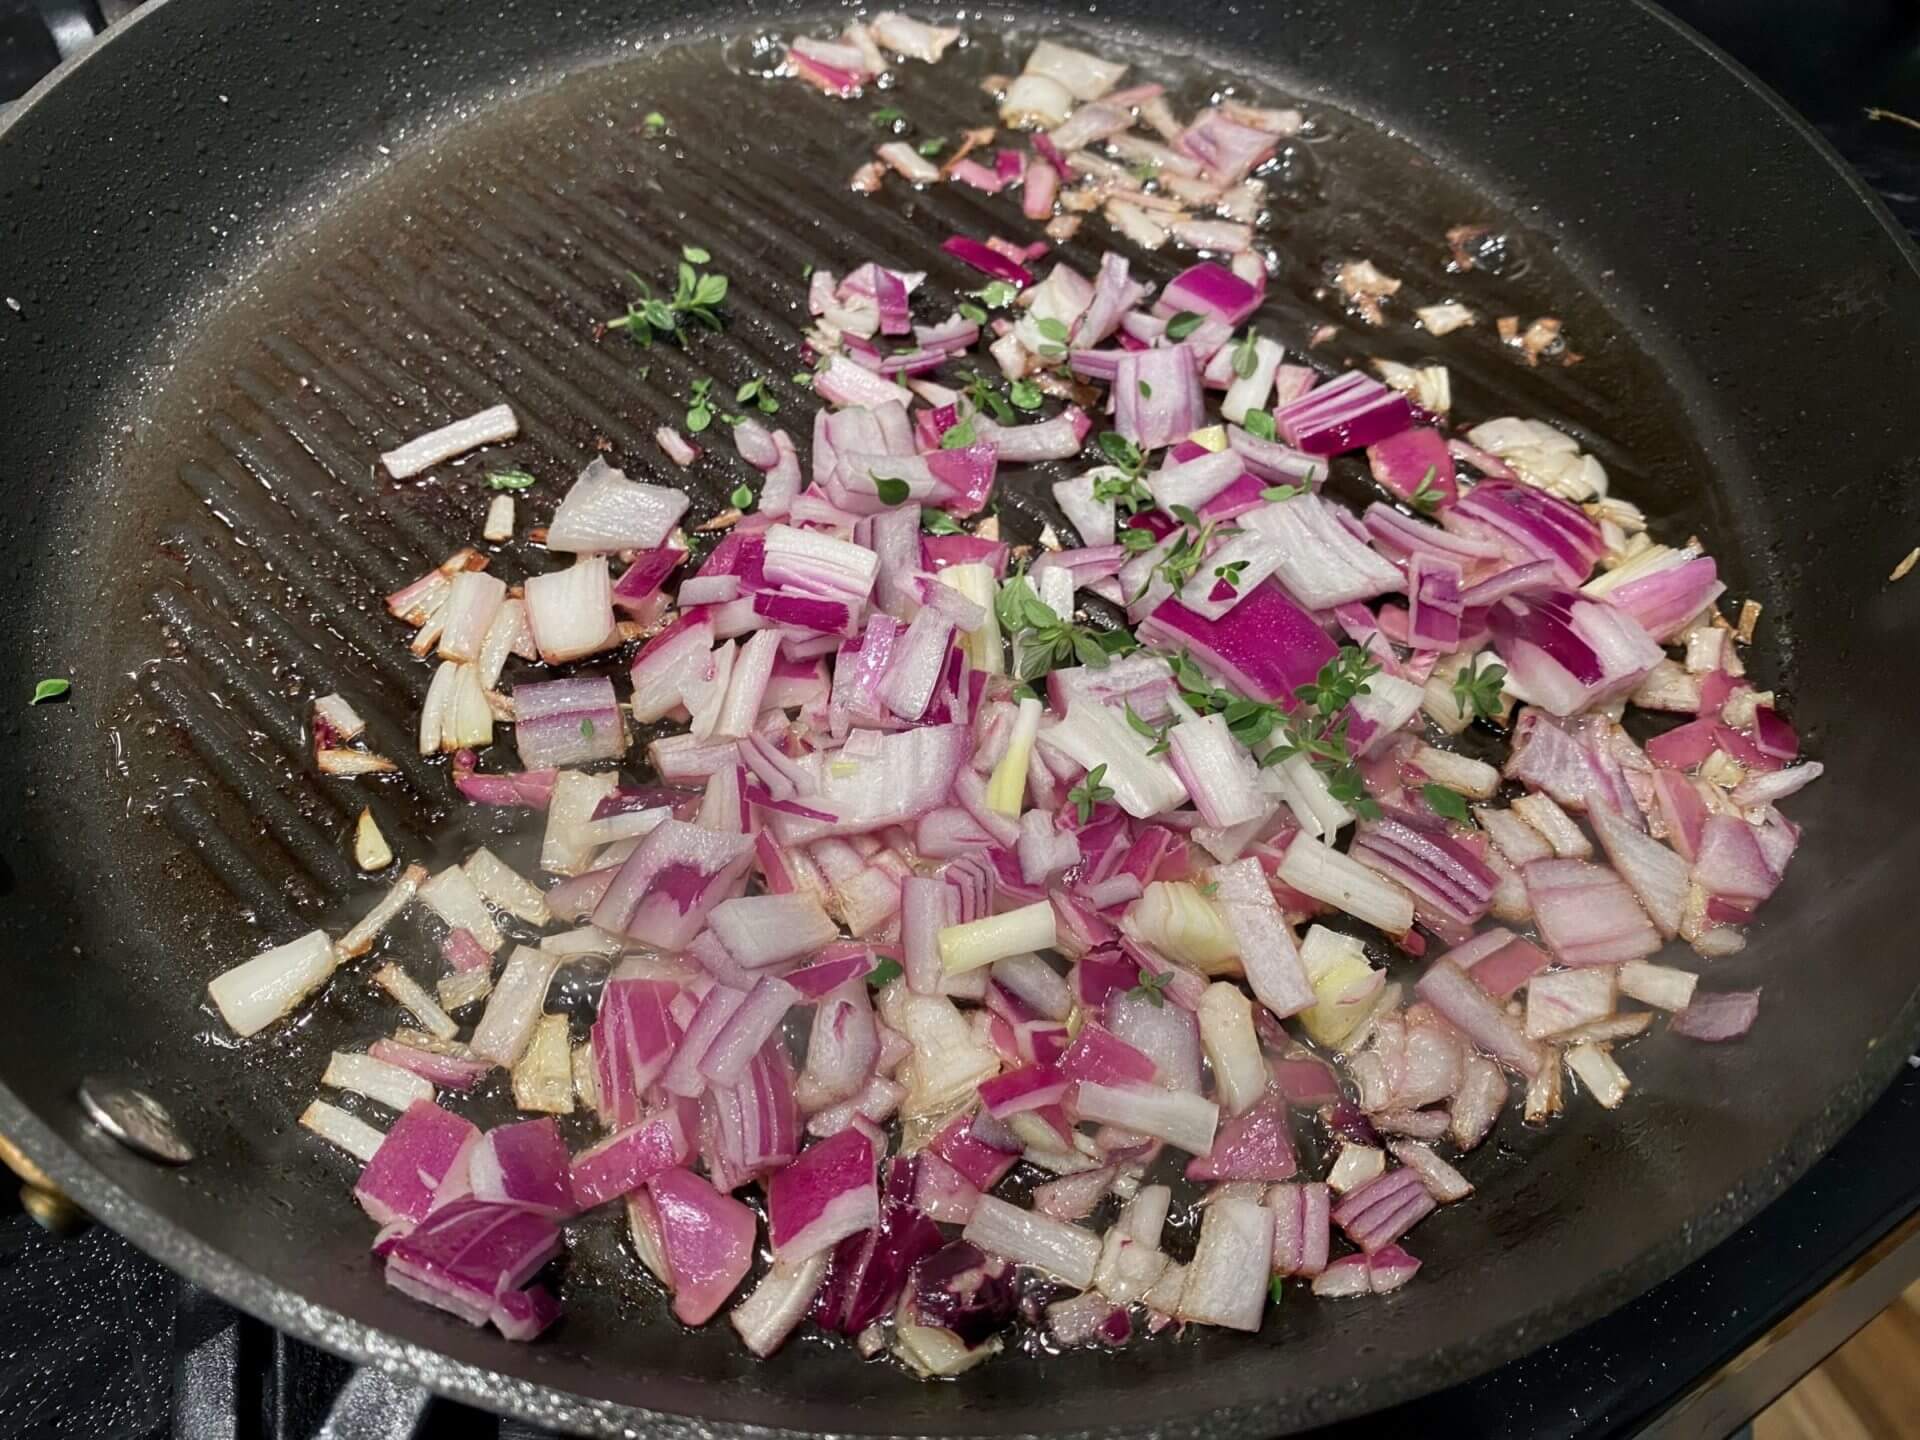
column 1449, row 803
column 1426, row 495
column 939, row 522
column 1317, row 728
column 747, row 391
column 1090, row 792
column 695, row 254
column 1025, row 395
column 1246, row 358
column 1136, row 539
column 509, row 480
column 1125, row 492
column 984, row 393
column 1259, row 424
column 653, row 124
column 1278, row 493
column 694, row 297
column 891, row 492
column 1277, row 1289
column 586, row 727
column 50, row 690
column 887, row 118
column 883, row 974
column 1183, row 324
column 1010, row 604
column 741, row 497
column 1477, row 690
column 1145, row 170
column 997, row 294
column 973, row 312
column 1152, row 982
column 930, row 148
column 1157, row 734
column 957, row 437
column 806, row 271
column 1121, row 452
column 1051, row 328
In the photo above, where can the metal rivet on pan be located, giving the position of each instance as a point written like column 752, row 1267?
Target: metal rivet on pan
column 135, row 1119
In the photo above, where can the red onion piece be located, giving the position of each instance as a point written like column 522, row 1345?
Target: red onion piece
column 825, row 1195
column 1256, row 1144
column 1447, row 988
column 424, row 1147
column 1718, row 1015
column 707, row 1239
column 986, row 259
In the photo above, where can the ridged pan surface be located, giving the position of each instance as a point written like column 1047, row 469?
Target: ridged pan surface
column 202, row 539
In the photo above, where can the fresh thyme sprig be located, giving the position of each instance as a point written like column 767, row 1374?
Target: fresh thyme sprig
column 1046, row 642
column 1476, row 691
column 1152, row 983
column 695, row 297
column 1089, row 793
column 1316, row 727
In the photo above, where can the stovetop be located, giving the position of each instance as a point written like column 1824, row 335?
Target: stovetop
column 98, row 1341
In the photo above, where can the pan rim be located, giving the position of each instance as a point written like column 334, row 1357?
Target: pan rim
column 207, row 1266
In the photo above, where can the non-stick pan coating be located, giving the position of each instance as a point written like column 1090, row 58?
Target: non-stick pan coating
column 253, row 245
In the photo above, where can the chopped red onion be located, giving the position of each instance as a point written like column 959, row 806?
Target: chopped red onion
column 1156, row 397
column 1541, row 525
column 1256, row 1144
column 778, row 1303
column 468, row 1255
column 1586, row 914
column 567, row 722
column 748, row 1030
column 1447, row 988
column 257, row 992
column 707, row 1239
column 605, row 512
column 1227, row 1279
column 1382, row 1210
column 1320, row 560
column 1345, row 414
column 986, row 259
column 1265, row 649
column 629, row 1158
column 1718, row 1015
column 425, row 1146
column 1301, row 1224
column 668, row 886
column 526, row 1165
column 825, row 1195
column 843, row 1048
column 1417, row 457
column 1567, row 653
column 1060, row 1249
column 1179, row 1117
column 488, row 427
column 634, row 1037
